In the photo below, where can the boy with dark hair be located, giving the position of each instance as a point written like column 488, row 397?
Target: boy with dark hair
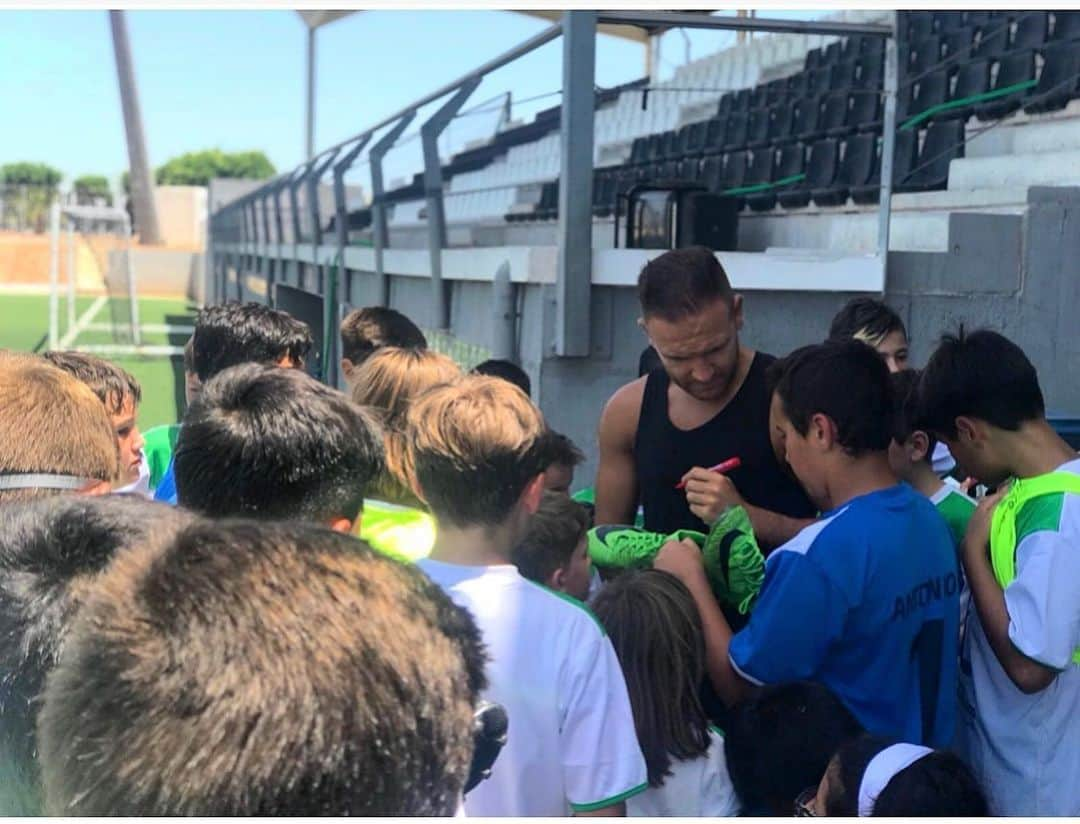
column 865, row 600
column 241, row 668
column 564, row 456
column 232, row 333
column 779, row 743
column 365, row 330
column 660, row 434
column 50, row 550
column 909, row 457
column 273, row 443
column 876, row 324
column 1020, row 659
column 507, row 370
column 121, row 394
column 478, row 452
column 554, row 551
column 55, row 435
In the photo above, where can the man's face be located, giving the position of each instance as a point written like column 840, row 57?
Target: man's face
column 975, row 457
column 578, row 572
column 893, row 349
column 700, row 352
column 559, row 478
column 130, row 441
column 800, row 453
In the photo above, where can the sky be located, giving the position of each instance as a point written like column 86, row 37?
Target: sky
column 235, row 80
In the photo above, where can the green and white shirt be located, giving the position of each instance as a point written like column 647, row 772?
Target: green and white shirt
column 697, row 787
column 1025, row 749
column 956, row 508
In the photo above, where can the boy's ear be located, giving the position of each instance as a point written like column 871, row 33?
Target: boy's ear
column 821, row 432
column 918, row 446
column 346, row 368
column 95, row 489
column 968, row 429
column 557, row 580
column 530, row 498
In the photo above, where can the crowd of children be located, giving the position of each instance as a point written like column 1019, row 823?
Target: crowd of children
column 384, row 601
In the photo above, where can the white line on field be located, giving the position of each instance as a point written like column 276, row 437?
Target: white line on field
column 83, row 322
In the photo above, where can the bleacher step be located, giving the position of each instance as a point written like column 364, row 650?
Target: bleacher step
column 1035, row 169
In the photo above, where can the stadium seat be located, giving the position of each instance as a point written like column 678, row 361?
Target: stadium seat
column 993, row 38
column 864, row 113
column 714, row 135
column 1066, row 25
column 735, row 131
column 1032, row 30
column 944, row 143
column 669, row 147
column 712, row 173
column 872, row 46
column 1060, row 79
column 639, row 151
column 758, row 98
column 807, row 119
column 689, row 170
column 735, row 174
column 781, row 122
column 926, row 55
column 740, row 104
column 931, row 90
column 693, row 143
column 1014, row 68
column 655, row 147
column 976, row 18
column 972, row 78
column 854, row 170
column 776, row 91
column 797, row 86
column 832, row 53
column 869, row 71
column 548, row 208
column 920, row 25
column 813, row 59
column 948, row 21
column 793, row 162
column 819, row 82
column 757, row 128
column 723, row 108
column 604, row 186
column 842, row 75
column 761, row 171
column 906, row 150
column 957, row 43
column 834, row 115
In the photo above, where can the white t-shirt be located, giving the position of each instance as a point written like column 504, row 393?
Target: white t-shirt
column 698, row 787
column 571, row 744
column 1025, row 749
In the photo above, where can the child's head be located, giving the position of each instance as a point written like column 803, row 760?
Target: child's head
column 50, row 550
column 912, row 447
column 55, row 435
column 870, row 776
column 507, row 370
column 232, row 333
column 264, row 442
column 975, row 389
column 831, row 404
column 564, row 456
column 387, row 382
column 872, row 322
column 478, row 448
column 260, row 669
column 655, row 628
column 366, row 330
column 779, row 742
column 554, row 551
column 121, row 394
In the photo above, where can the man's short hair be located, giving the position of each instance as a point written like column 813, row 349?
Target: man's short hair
column 845, row 380
column 865, row 319
column 259, row 669
column 562, row 450
column 51, row 424
column 275, row 443
column 365, row 330
column 980, row 375
column 682, row 282
column 780, row 741
column 49, row 550
column 475, row 446
column 113, row 385
column 507, row 370
column 554, row 533
column 232, row 333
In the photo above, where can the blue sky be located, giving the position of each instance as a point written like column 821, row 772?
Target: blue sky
column 235, row 79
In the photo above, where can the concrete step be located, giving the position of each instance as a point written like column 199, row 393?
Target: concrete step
column 1042, row 169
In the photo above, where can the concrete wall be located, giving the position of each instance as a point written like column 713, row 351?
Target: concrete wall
column 181, row 214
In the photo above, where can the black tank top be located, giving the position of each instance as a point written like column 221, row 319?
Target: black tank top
column 664, row 453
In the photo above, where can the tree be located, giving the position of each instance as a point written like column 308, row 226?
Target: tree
column 32, row 187
column 90, row 188
column 30, row 174
column 199, row 168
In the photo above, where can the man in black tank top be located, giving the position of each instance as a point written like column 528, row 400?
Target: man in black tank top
column 709, row 402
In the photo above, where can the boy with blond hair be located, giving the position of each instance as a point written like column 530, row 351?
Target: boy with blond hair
column 55, row 435
column 479, row 451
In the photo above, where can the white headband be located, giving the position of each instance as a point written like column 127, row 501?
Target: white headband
column 40, row 480
column 881, row 770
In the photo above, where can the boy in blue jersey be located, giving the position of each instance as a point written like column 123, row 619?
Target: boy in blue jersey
column 865, row 600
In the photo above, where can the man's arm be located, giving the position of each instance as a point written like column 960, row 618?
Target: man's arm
column 1029, row 675
column 683, row 560
column 616, row 475
column 710, row 493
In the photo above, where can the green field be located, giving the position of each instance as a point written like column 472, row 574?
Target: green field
column 24, row 325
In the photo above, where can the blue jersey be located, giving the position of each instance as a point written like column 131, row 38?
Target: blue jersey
column 166, row 489
column 866, row 602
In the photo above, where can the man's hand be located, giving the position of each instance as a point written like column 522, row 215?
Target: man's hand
column 710, row 493
column 682, row 559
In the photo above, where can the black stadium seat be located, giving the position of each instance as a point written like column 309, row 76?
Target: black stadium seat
column 758, row 97
column 1066, row 26
column 834, row 116
column 797, row 86
column 712, row 173
column 948, row 21
column 741, row 102
column 714, row 135
column 972, row 78
column 944, row 142
column 735, row 173
column 781, row 121
column 761, row 171
column 864, row 113
column 870, row 71
column 723, row 108
column 926, row 55
column 842, row 75
column 993, row 38
column 920, row 25
column 1032, row 30
column 792, row 162
column 813, row 59
column 776, row 91
column 854, row 170
column 1013, row 69
column 639, row 150
column 957, row 44
column 906, row 149
column 757, row 128
column 808, row 119
column 1061, row 74
column 930, row 90
column 735, row 132
column 832, row 53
